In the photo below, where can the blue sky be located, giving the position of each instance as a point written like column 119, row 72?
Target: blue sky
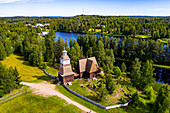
column 75, row 7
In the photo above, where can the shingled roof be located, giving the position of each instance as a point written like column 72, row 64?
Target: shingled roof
column 89, row 65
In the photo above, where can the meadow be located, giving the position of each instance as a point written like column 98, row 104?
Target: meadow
column 29, row 103
column 26, row 72
column 143, row 36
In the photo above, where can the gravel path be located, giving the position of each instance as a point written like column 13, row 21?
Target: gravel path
column 46, row 89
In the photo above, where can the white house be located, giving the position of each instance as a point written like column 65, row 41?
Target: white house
column 45, row 33
column 39, row 25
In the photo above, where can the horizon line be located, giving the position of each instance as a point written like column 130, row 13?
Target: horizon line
column 86, row 15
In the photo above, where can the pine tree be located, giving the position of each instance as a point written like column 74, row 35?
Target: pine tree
column 110, row 85
column 102, row 93
column 101, row 52
column 8, row 47
column 17, row 78
column 123, row 67
column 117, row 71
column 162, row 103
column 49, row 42
column 2, row 51
column 147, row 74
column 90, row 52
column 136, row 72
column 135, row 99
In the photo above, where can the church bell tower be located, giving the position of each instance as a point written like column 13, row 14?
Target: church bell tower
column 65, row 74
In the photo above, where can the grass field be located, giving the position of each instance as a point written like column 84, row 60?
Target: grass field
column 51, row 70
column 29, row 103
column 164, row 40
column 88, row 104
column 143, row 36
column 93, row 95
column 97, row 30
column 161, row 66
column 26, row 72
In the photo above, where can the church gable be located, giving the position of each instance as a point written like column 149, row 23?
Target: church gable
column 82, row 65
column 88, row 65
column 91, row 67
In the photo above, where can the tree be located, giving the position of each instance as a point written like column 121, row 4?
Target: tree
column 90, row 52
column 123, row 67
column 162, row 103
column 1, row 93
column 110, row 85
column 101, row 52
column 8, row 47
column 147, row 74
column 44, row 65
column 75, row 53
column 49, row 42
column 102, row 93
column 2, row 51
column 135, row 99
column 36, row 58
column 117, row 71
column 16, row 75
column 9, row 79
column 136, row 73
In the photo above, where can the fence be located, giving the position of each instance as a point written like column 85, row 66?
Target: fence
column 95, row 103
column 48, row 73
column 12, row 97
column 12, row 94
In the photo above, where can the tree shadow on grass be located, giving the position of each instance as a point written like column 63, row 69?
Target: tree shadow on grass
column 47, row 78
column 20, row 58
column 27, row 63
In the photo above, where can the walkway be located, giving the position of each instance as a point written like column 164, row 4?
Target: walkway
column 46, row 89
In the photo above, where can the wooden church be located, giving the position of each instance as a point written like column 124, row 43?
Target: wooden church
column 65, row 74
column 87, row 68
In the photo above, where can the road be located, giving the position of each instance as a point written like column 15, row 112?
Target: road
column 47, row 89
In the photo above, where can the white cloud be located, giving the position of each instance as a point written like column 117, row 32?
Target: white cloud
column 9, row 1
column 41, row 1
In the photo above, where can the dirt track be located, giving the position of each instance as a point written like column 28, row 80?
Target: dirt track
column 46, row 89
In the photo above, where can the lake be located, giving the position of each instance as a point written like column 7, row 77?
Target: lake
column 67, row 36
column 162, row 75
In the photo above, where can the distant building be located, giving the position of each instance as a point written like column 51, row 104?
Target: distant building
column 45, row 33
column 87, row 68
column 39, row 25
column 47, row 24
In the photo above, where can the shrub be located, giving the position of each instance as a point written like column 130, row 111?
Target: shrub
column 44, row 65
column 157, row 86
column 1, row 93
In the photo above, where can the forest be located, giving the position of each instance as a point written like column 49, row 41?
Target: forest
column 155, row 27
column 19, row 35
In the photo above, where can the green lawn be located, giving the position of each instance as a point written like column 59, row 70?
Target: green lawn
column 142, row 36
column 161, row 66
column 93, row 95
column 88, row 104
column 50, row 69
column 154, row 65
column 27, row 73
column 97, row 30
column 29, row 103
column 164, row 40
